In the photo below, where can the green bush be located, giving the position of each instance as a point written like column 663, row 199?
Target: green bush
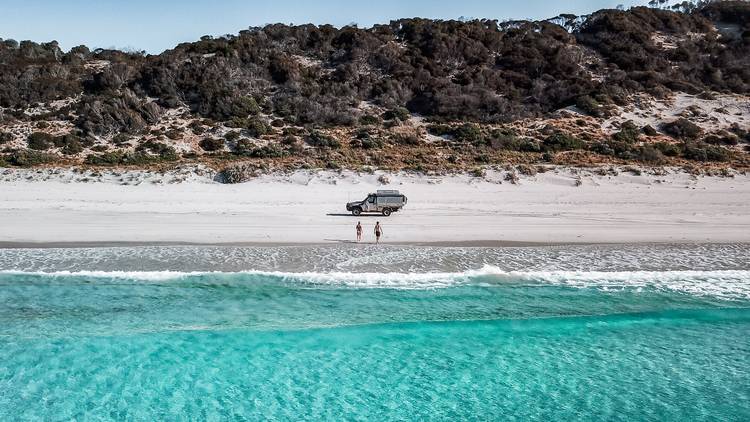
column 649, row 154
column 363, row 133
column 439, row 130
column 28, row 158
column 106, row 159
column 292, row 144
column 721, row 139
column 236, row 122
column 40, row 141
column 628, row 133
column 332, row 165
column 245, row 106
column 290, row 140
column 615, row 148
column 739, row 132
column 702, row 152
column 256, row 128
column 69, row 144
column 364, row 139
column 649, row 130
column 530, row 145
column 5, row 137
column 318, row 139
column 371, row 143
column 504, row 139
column 173, row 134
column 409, row 139
column 368, row 120
column 669, row 150
column 121, row 139
column 477, row 172
column 467, row 132
column 589, row 106
column 561, row 141
column 114, row 158
column 603, row 148
column 268, row 151
column 682, row 129
column 140, row 158
column 482, row 158
column 197, row 127
column 165, row 152
column 237, row 173
column 243, row 147
column 527, row 170
column 232, row 136
column 296, row 131
column 211, row 144
column 398, row 113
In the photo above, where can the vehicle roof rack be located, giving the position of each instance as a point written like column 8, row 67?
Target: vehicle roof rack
column 388, row 192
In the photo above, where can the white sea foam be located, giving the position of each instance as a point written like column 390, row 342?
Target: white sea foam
column 726, row 284
column 114, row 275
column 381, row 259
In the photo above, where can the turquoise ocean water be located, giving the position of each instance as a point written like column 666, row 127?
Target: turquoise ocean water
column 657, row 332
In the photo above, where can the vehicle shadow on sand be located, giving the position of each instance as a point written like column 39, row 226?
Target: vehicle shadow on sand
column 353, row 242
column 352, row 215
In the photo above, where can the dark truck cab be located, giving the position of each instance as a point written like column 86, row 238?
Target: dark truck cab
column 383, row 201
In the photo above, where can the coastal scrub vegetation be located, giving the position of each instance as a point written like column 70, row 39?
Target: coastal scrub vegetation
column 412, row 93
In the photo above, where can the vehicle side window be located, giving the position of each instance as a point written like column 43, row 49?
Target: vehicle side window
column 371, row 199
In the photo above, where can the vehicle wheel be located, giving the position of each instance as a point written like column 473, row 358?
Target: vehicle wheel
column 357, row 211
column 387, row 212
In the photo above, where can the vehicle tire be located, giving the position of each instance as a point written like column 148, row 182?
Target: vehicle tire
column 357, row 211
column 387, row 212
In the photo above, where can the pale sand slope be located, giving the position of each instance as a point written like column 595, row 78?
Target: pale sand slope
column 297, row 209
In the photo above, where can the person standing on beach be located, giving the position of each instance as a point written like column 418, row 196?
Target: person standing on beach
column 378, row 232
column 359, row 231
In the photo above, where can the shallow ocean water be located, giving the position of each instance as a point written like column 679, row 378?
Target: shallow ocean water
column 646, row 332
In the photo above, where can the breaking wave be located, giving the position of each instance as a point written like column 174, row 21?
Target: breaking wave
column 724, row 284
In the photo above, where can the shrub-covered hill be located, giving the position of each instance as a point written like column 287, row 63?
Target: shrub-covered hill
column 646, row 84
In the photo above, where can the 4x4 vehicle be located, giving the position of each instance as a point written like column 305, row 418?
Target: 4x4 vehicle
column 383, row 201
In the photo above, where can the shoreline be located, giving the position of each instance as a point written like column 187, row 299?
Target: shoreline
column 107, row 244
column 495, row 244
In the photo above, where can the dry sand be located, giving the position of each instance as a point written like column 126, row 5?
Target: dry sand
column 40, row 207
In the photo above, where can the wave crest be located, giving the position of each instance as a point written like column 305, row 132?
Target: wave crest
column 733, row 284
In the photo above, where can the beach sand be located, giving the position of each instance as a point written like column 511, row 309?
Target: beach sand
column 559, row 206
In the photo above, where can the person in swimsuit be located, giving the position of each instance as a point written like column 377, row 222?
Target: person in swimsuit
column 378, row 232
column 359, row 231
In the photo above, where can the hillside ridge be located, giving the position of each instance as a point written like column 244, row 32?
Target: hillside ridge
column 645, row 85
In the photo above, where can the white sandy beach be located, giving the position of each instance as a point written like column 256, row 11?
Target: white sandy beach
column 40, row 207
